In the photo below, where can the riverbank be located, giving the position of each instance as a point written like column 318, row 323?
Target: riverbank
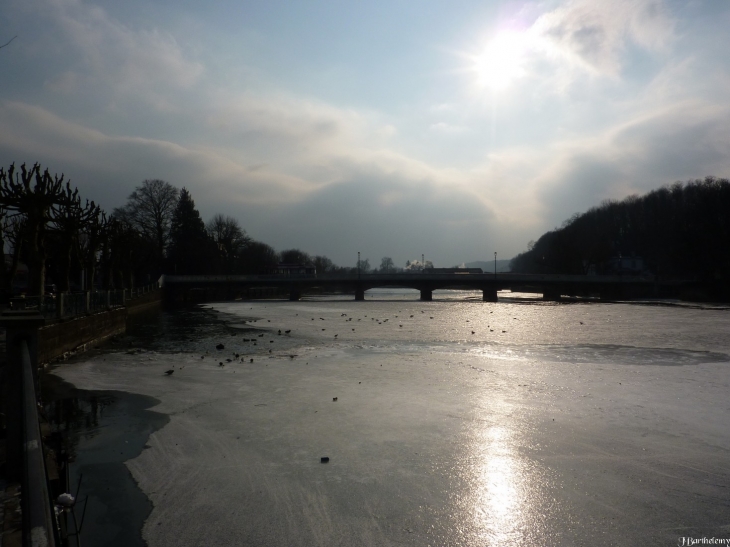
column 99, row 431
column 96, row 432
column 61, row 338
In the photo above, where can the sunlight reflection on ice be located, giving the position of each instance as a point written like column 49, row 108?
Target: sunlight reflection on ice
column 498, row 489
column 507, row 492
column 598, row 353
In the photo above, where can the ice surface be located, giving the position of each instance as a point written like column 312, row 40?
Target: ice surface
column 549, row 425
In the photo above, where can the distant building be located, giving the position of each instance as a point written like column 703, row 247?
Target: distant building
column 626, row 265
column 288, row 268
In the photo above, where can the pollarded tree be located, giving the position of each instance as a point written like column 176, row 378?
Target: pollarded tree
column 90, row 243
column 149, row 210
column 68, row 222
column 34, row 195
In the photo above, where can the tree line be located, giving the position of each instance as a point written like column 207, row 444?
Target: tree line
column 167, row 223
column 45, row 225
column 680, row 231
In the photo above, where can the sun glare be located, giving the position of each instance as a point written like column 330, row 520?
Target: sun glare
column 501, row 61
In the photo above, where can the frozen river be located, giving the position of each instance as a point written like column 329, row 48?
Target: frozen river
column 456, row 422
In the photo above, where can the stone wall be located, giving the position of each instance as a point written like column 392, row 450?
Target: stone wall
column 144, row 302
column 57, row 338
column 79, row 333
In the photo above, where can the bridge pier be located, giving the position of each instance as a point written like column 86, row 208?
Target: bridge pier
column 359, row 294
column 426, row 295
column 610, row 294
column 489, row 295
column 551, row 295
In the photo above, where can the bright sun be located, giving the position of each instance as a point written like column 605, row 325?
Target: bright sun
column 500, row 63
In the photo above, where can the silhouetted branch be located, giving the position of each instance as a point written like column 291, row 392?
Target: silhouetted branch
column 6, row 43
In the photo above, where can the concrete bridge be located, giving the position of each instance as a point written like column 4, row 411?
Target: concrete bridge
column 552, row 287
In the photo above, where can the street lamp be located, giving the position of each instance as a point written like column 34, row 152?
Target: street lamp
column 358, row 264
column 495, row 263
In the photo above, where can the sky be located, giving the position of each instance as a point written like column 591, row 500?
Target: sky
column 453, row 129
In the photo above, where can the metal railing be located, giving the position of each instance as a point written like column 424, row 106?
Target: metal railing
column 38, row 523
column 72, row 304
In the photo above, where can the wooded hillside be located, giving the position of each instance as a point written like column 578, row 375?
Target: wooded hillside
column 680, row 231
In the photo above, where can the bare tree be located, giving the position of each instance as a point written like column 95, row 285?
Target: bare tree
column 123, row 251
column 258, row 258
column 229, row 237
column 149, row 210
column 295, row 256
column 322, row 264
column 387, row 265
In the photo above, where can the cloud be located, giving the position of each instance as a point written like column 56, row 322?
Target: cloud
column 441, row 108
column 388, row 196
column 381, row 214
column 100, row 55
column 106, row 167
column 684, row 141
column 688, row 140
column 594, row 35
column 447, row 128
column 335, row 192
column 280, row 121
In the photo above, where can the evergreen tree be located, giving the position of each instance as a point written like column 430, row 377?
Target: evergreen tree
column 191, row 250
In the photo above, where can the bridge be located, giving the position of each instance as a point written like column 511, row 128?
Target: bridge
column 552, row 287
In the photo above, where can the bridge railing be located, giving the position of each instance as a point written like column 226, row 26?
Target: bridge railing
column 402, row 278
